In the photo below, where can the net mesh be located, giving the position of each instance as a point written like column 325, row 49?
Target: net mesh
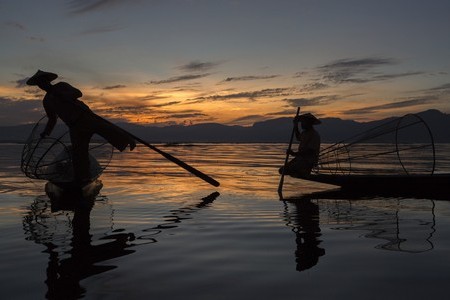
column 50, row 158
column 402, row 145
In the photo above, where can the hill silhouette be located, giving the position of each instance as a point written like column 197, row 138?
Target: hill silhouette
column 270, row 131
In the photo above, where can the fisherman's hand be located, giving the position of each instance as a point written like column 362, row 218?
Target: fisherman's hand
column 290, row 152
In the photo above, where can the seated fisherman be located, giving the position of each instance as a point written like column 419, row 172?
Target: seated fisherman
column 61, row 101
column 307, row 155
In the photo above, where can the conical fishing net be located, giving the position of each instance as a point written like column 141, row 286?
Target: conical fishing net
column 50, row 158
column 402, row 145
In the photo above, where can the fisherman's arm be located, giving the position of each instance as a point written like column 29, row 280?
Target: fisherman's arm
column 296, row 130
column 302, row 152
column 51, row 122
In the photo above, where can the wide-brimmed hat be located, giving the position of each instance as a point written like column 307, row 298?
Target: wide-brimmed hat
column 41, row 75
column 309, row 117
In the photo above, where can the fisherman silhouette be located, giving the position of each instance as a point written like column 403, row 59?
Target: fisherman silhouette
column 74, row 252
column 307, row 236
column 61, row 100
column 305, row 223
column 308, row 149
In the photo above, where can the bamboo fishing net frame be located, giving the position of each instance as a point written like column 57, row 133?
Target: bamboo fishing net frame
column 50, row 158
column 347, row 156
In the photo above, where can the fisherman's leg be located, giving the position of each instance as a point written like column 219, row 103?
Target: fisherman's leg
column 289, row 168
column 297, row 167
column 303, row 168
column 80, row 154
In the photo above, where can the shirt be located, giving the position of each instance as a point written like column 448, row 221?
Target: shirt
column 61, row 101
column 309, row 143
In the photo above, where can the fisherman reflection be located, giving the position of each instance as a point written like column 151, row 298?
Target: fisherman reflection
column 307, row 155
column 66, row 268
column 305, row 224
column 61, row 101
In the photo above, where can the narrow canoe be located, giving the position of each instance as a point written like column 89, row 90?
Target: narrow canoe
column 67, row 195
column 413, row 185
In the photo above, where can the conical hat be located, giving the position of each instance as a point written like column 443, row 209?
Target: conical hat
column 310, row 117
column 40, row 75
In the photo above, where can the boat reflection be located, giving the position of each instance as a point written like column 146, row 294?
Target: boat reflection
column 401, row 224
column 406, row 223
column 62, row 223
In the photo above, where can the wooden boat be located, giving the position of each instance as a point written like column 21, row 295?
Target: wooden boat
column 396, row 158
column 69, row 195
column 421, row 186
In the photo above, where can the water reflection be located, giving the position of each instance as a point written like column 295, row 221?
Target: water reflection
column 304, row 222
column 406, row 224
column 178, row 215
column 61, row 223
column 402, row 225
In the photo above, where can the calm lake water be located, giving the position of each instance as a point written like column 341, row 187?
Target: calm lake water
column 157, row 232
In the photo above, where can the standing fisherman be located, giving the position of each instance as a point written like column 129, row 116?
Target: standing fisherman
column 307, row 155
column 61, row 101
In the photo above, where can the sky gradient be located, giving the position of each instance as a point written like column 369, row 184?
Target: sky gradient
column 231, row 62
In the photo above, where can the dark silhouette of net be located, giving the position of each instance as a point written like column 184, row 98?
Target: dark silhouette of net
column 402, row 145
column 50, row 158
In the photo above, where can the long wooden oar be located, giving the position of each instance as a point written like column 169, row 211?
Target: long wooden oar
column 280, row 185
column 182, row 164
column 173, row 159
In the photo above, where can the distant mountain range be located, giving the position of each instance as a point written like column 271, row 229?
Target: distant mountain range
column 274, row 130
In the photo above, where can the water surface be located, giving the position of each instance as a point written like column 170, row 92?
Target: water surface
column 156, row 232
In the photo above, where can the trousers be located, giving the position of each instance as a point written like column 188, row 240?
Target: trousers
column 297, row 167
column 80, row 135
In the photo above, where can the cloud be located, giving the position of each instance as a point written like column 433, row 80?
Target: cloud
column 300, row 74
column 401, row 104
column 135, row 109
column 313, row 101
column 345, row 70
column 252, row 95
column 153, row 97
column 179, row 78
column 198, row 66
column 314, row 86
column 357, row 64
column 33, row 91
column 395, row 76
column 100, row 29
column 444, row 88
column 113, row 87
column 36, row 39
column 15, row 25
column 250, row 119
column 251, row 77
column 86, row 6
column 289, row 112
column 21, row 27
column 19, row 111
column 166, row 104
column 20, row 83
column 186, row 115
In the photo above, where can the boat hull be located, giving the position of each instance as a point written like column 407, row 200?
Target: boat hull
column 408, row 185
column 69, row 195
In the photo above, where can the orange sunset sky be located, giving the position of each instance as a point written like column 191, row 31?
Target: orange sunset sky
column 231, row 62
